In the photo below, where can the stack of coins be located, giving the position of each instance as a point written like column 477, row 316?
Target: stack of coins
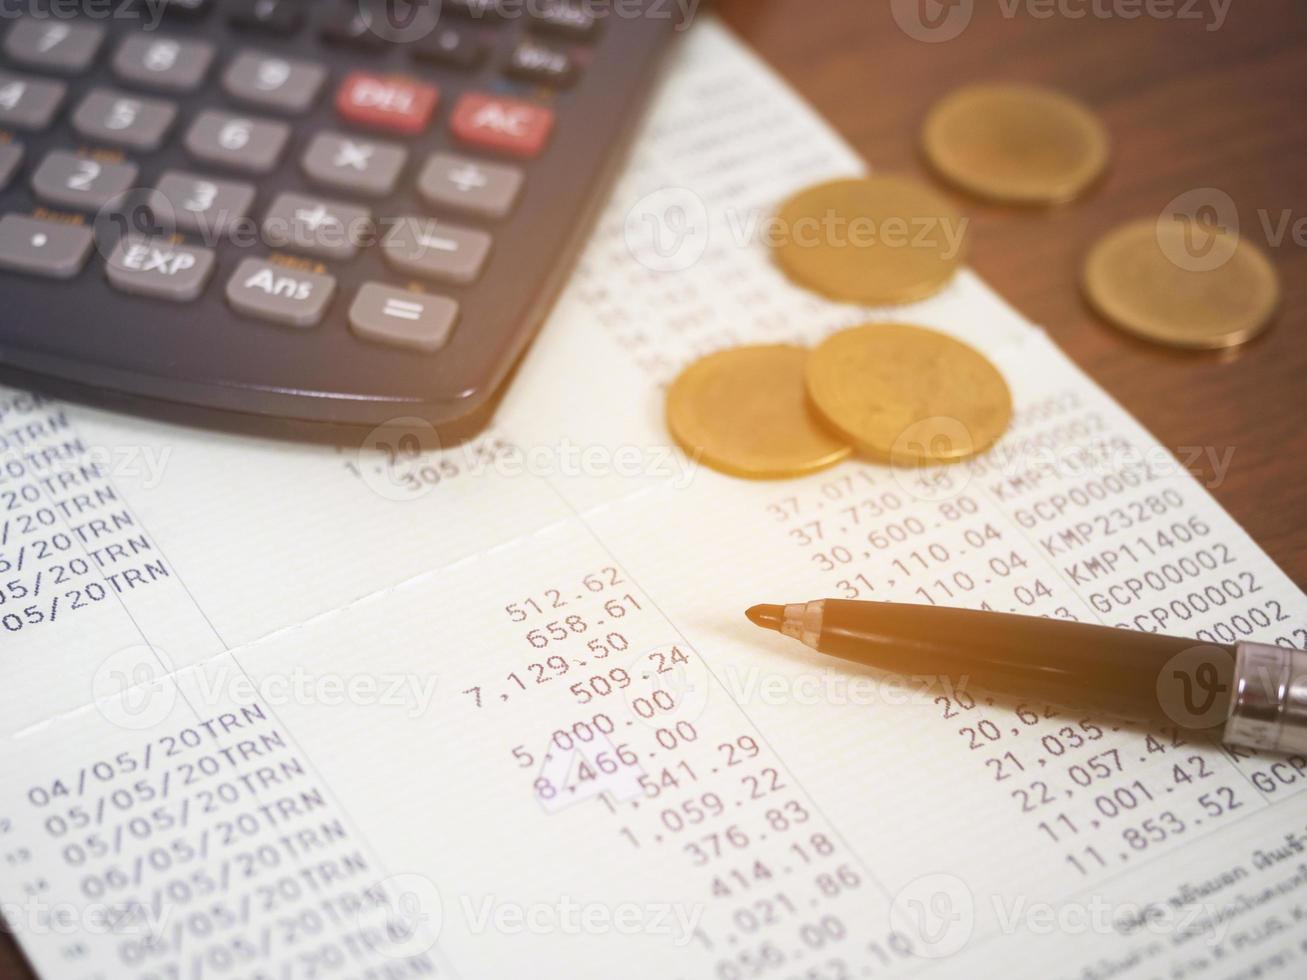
column 902, row 394
column 892, row 392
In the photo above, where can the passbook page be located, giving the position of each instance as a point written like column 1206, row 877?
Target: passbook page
column 397, row 708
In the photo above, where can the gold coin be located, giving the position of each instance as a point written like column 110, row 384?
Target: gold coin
column 1016, row 144
column 874, row 240
column 1182, row 284
column 745, row 412
column 908, row 395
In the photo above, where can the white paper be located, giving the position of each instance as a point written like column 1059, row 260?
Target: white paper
column 275, row 710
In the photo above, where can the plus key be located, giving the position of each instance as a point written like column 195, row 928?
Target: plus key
column 398, row 104
column 506, row 125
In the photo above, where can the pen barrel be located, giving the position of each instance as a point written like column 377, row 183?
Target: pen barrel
column 1127, row 674
column 1270, row 699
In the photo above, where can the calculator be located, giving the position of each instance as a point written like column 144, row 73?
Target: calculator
column 345, row 211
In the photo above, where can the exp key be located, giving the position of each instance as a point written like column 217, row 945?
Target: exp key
column 159, row 268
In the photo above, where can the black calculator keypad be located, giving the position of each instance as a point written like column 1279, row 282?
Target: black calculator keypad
column 304, row 209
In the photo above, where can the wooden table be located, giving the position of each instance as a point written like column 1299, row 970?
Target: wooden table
column 1188, row 108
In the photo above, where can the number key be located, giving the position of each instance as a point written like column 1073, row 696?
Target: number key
column 278, row 83
column 105, row 116
column 54, row 45
column 200, row 205
column 163, row 62
column 237, row 142
column 29, row 103
column 11, row 155
column 81, row 183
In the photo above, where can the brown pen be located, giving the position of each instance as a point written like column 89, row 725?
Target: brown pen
column 1249, row 694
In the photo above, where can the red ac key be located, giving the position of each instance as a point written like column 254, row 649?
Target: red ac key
column 398, row 104
column 507, row 125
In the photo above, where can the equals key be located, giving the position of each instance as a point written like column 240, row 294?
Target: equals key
column 399, row 318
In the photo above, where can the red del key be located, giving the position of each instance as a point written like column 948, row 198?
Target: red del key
column 506, row 125
column 397, row 104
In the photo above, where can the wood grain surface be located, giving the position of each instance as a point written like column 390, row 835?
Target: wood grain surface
column 1191, row 102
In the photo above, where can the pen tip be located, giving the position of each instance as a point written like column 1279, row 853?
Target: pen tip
column 767, row 616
